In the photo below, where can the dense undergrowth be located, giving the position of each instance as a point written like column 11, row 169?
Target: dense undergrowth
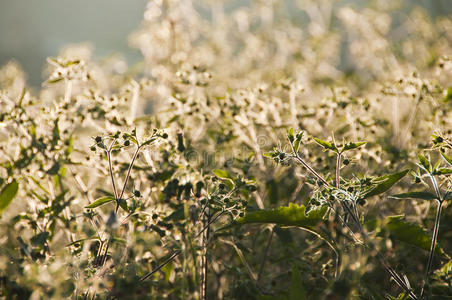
column 279, row 150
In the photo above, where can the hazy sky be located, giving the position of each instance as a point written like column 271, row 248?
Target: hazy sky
column 30, row 31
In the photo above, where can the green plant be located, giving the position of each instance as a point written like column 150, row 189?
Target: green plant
column 97, row 204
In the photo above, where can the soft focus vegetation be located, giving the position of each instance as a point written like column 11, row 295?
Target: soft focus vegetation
column 270, row 150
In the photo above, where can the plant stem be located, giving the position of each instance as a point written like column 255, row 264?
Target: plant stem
column 299, row 159
column 433, row 246
column 338, row 170
column 264, row 258
column 397, row 278
column 177, row 252
column 167, row 261
column 204, row 266
column 110, row 168
column 118, row 200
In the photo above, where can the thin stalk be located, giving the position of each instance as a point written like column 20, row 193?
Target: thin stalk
column 115, row 190
column 204, row 265
column 167, row 261
column 104, row 258
column 101, row 246
column 110, row 167
column 264, row 258
column 177, row 252
column 210, row 222
column 311, row 170
column 338, row 169
column 300, row 160
column 118, row 200
column 435, row 186
column 433, row 246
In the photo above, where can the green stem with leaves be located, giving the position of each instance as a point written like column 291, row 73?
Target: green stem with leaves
column 397, row 278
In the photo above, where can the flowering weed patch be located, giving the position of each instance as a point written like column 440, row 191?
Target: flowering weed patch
column 273, row 150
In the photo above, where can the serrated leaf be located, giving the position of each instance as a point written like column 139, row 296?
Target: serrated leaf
column 7, row 195
column 101, row 201
column 297, row 290
column 410, row 233
column 325, row 144
column 416, row 195
column 222, row 174
column 350, row 146
column 385, row 183
column 292, row 215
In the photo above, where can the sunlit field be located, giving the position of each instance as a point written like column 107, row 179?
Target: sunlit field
column 282, row 150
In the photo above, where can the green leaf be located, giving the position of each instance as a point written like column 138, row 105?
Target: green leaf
column 447, row 158
column 40, row 239
column 149, row 141
column 296, row 145
column 123, row 204
column 7, row 195
column 410, row 233
column 326, row 145
column 177, row 215
column 384, row 184
column 448, row 96
column 52, row 81
column 292, row 215
column 297, row 290
column 350, row 146
column 416, row 195
column 290, row 135
column 222, row 174
column 402, row 296
column 101, row 201
column 425, row 164
column 94, row 237
column 443, row 171
column 269, row 154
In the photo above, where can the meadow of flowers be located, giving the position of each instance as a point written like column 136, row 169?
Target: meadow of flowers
column 259, row 150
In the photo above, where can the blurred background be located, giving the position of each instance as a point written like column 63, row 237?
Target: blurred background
column 30, row 31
